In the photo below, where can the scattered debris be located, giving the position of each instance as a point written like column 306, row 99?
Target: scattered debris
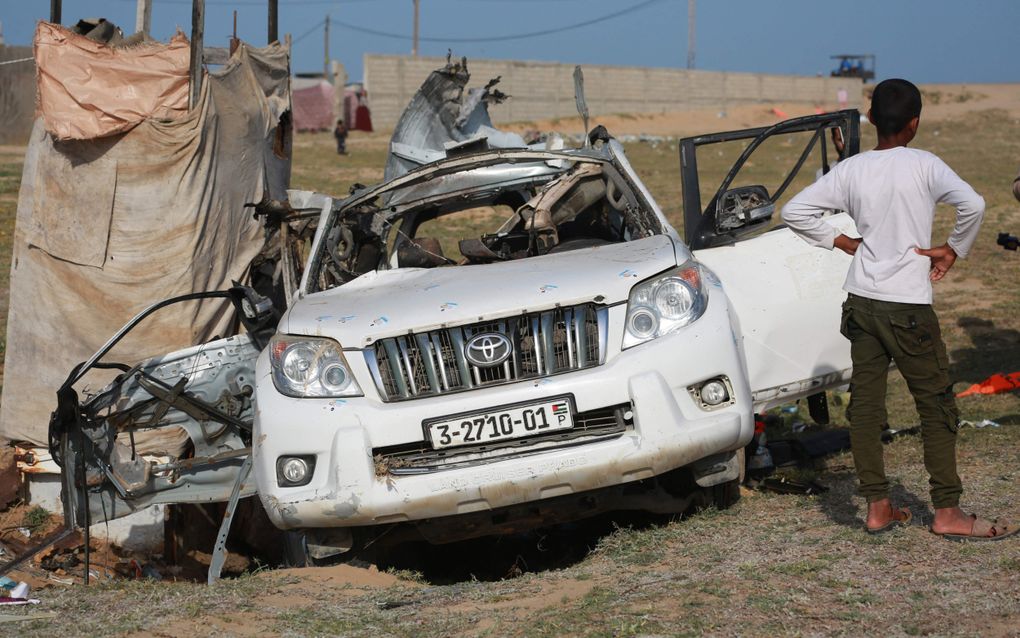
column 45, row 615
column 995, row 384
column 984, row 423
column 786, row 485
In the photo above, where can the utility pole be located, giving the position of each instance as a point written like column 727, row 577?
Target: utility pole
column 325, row 48
column 55, row 11
column 197, row 49
column 414, row 44
column 690, row 33
column 274, row 13
column 143, row 17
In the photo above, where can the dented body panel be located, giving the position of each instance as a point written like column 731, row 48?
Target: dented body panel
column 667, row 430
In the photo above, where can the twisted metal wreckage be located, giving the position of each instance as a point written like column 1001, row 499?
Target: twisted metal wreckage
column 584, row 211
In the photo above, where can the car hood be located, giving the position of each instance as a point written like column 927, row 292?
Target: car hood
column 392, row 302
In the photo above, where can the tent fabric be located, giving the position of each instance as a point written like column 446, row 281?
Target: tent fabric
column 87, row 89
column 106, row 227
column 313, row 107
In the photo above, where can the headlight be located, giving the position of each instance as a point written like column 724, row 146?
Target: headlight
column 311, row 367
column 664, row 303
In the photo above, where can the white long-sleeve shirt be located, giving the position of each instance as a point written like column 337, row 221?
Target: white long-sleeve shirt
column 891, row 195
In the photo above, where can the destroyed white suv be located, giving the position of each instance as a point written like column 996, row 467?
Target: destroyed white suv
column 491, row 339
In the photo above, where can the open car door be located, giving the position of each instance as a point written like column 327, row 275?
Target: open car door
column 786, row 295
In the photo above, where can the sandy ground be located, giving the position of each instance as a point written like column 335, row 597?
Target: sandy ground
column 941, row 101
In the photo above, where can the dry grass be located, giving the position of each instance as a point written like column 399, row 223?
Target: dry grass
column 771, row 565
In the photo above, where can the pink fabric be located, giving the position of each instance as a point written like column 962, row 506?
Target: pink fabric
column 313, row 108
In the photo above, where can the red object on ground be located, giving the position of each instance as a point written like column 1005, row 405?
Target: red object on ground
column 781, row 114
column 994, row 384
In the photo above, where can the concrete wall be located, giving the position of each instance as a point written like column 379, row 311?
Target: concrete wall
column 542, row 90
column 17, row 95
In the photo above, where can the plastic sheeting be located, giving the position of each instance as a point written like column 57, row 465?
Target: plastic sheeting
column 106, row 227
column 313, row 106
column 88, row 89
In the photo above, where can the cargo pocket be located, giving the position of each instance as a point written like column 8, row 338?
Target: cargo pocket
column 947, row 402
column 844, row 321
column 914, row 337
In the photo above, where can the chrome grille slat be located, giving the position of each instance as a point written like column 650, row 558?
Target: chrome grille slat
column 568, row 324
column 425, row 350
column 406, row 358
column 547, row 343
column 433, row 363
column 441, row 358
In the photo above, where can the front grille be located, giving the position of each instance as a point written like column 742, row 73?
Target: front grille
column 544, row 343
column 419, row 457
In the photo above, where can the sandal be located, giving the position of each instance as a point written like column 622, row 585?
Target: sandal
column 892, row 524
column 982, row 531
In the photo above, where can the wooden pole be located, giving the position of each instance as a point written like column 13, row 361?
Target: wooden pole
column 690, row 33
column 55, row 6
column 325, row 48
column 197, row 33
column 414, row 44
column 274, row 14
column 234, row 42
column 143, row 17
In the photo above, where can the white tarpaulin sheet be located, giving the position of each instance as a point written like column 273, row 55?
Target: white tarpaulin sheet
column 108, row 226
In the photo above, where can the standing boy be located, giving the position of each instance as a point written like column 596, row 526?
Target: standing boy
column 340, row 133
column 891, row 193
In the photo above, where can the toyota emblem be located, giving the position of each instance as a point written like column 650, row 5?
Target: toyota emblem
column 488, row 349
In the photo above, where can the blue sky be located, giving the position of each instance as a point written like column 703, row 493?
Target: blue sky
column 922, row 40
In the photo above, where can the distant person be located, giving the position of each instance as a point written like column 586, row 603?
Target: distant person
column 891, row 193
column 844, row 67
column 842, row 97
column 340, row 133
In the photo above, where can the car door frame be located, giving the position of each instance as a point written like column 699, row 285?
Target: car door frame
column 700, row 228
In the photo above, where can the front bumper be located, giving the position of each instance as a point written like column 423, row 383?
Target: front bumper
column 669, row 431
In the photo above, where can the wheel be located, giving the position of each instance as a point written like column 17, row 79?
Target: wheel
column 295, row 553
column 725, row 495
column 341, row 548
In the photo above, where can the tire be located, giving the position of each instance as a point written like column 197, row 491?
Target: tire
column 725, row 495
column 294, row 552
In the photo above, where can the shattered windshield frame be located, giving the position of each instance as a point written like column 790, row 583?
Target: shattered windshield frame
column 549, row 191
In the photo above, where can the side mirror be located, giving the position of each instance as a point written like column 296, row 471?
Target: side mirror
column 743, row 208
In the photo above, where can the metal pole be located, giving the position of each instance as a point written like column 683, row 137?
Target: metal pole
column 197, row 33
column 55, row 11
column 414, row 44
column 325, row 49
column 690, row 33
column 143, row 17
column 274, row 13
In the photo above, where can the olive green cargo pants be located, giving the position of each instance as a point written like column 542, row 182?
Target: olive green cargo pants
column 908, row 334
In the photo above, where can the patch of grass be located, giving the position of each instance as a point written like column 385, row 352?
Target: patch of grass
column 35, row 519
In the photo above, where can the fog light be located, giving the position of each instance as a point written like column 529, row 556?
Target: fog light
column 714, row 392
column 294, row 471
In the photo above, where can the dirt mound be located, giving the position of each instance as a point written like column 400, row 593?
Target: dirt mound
column 338, row 577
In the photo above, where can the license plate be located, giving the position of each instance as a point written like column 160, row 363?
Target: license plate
column 500, row 424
